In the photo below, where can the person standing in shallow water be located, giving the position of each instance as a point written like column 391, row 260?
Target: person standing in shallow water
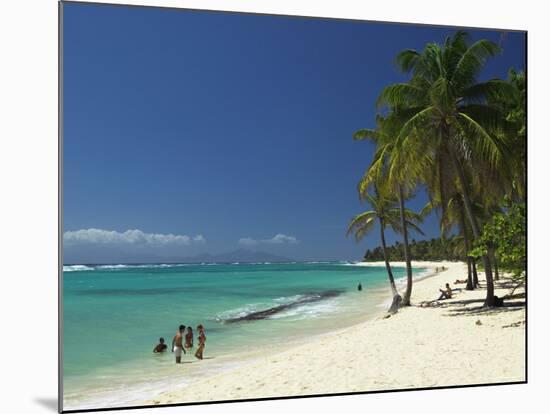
column 189, row 338
column 177, row 343
column 359, row 287
column 202, row 341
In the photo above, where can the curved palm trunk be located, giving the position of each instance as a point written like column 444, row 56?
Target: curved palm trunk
column 474, row 274
column 408, row 291
column 386, row 260
column 490, row 298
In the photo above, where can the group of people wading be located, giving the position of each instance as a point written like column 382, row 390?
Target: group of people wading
column 183, row 342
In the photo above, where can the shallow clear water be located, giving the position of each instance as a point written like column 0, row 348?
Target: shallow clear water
column 114, row 315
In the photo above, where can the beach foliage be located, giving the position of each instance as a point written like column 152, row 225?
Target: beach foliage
column 436, row 249
column 506, row 233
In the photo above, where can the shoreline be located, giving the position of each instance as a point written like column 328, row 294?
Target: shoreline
column 375, row 354
column 374, row 303
column 354, row 311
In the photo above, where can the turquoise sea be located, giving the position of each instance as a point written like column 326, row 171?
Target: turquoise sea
column 114, row 315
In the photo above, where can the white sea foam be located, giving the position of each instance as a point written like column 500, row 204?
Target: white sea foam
column 288, row 299
column 112, row 267
column 140, row 266
column 76, row 268
column 343, row 263
column 300, row 311
column 256, row 307
column 308, row 311
column 242, row 311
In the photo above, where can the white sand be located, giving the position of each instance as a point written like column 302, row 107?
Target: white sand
column 453, row 344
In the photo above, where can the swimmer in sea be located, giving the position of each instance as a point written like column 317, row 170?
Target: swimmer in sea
column 161, row 347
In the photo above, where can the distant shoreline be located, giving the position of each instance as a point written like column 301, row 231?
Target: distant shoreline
column 209, row 262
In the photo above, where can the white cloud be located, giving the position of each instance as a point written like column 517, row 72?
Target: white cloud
column 199, row 238
column 132, row 237
column 247, row 241
column 277, row 239
column 281, row 238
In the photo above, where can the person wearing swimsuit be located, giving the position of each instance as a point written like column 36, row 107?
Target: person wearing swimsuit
column 177, row 346
column 202, row 341
column 189, row 338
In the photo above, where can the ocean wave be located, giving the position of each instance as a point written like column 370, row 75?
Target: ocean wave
column 247, row 309
column 76, row 268
column 345, row 263
column 139, row 266
column 308, row 311
column 283, row 305
column 250, row 308
column 113, row 267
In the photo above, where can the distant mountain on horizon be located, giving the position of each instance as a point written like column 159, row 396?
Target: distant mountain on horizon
column 75, row 255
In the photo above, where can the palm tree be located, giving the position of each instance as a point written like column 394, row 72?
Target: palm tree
column 397, row 174
column 406, row 247
column 454, row 216
column 385, row 214
column 515, row 110
column 445, row 110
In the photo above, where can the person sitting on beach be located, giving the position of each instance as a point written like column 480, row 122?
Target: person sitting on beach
column 202, row 341
column 177, row 343
column 161, row 347
column 447, row 293
column 189, row 338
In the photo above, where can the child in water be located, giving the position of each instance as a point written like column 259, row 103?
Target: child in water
column 189, row 338
column 202, row 341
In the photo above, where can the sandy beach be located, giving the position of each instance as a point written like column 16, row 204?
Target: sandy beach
column 458, row 341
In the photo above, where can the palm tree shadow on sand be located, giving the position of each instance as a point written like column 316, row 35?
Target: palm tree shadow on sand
column 512, row 302
column 473, row 307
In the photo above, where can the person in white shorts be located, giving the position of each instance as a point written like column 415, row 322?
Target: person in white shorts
column 177, row 344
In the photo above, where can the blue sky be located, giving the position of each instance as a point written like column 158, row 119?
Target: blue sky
column 226, row 130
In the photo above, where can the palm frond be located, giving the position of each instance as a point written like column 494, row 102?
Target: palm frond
column 472, row 60
column 401, row 95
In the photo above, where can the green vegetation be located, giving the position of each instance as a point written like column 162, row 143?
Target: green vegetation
column 429, row 250
column 506, row 234
column 462, row 140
